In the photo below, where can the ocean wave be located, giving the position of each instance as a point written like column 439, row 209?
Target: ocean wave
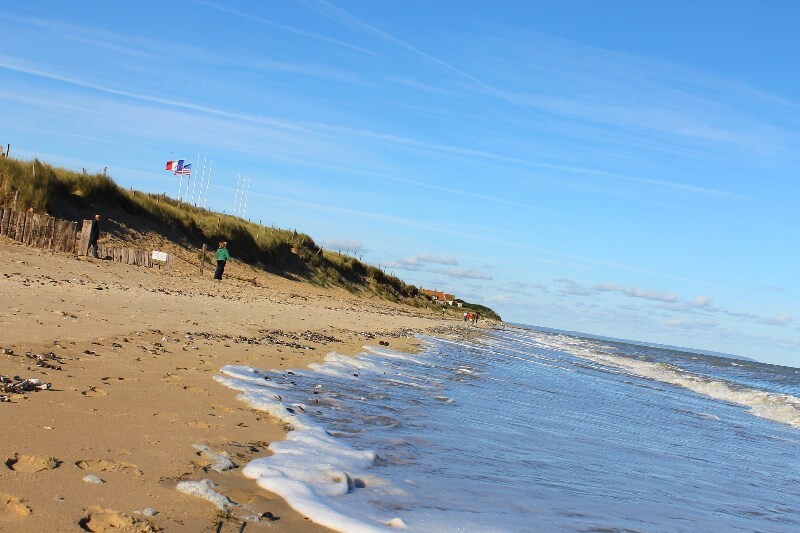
column 783, row 408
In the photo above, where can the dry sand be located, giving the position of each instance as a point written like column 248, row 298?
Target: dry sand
column 134, row 351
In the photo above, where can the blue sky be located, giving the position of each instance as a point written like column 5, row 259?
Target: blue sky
column 621, row 168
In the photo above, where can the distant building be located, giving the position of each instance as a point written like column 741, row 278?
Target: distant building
column 440, row 297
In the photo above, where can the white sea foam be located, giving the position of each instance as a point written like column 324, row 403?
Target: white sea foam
column 783, row 408
column 259, row 393
column 204, row 489
column 311, row 468
column 221, row 461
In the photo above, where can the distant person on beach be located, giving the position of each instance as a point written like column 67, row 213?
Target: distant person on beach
column 222, row 257
column 94, row 235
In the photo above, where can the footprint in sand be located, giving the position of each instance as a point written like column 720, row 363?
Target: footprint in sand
column 100, row 520
column 31, row 463
column 94, row 391
column 12, row 507
column 199, row 424
column 102, row 465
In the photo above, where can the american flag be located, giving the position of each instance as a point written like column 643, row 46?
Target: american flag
column 186, row 170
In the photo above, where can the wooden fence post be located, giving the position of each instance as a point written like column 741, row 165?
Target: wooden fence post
column 83, row 242
column 72, row 237
column 51, row 232
column 203, row 259
column 24, row 226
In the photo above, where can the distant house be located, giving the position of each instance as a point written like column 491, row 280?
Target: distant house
column 440, row 297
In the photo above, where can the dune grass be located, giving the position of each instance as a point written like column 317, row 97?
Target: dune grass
column 63, row 192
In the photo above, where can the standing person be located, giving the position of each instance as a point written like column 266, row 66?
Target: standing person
column 222, row 257
column 94, row 235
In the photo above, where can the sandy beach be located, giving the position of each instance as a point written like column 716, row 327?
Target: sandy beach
column 132, row 409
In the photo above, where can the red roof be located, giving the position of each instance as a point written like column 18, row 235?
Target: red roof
column 438, row 295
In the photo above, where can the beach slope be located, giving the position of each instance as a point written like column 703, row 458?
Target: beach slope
column 132, row 411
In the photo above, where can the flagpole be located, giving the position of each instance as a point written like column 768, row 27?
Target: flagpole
column 236, row 198
column 208, row 181
column 241, row 196
column 180, row 186
column 189, row 179
column 202, row 178
column 194, row 182
column 200, row 192
column 244, row 211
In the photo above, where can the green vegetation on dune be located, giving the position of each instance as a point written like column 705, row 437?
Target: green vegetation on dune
column 76, row 195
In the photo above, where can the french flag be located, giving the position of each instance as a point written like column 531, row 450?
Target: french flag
column 174, row 165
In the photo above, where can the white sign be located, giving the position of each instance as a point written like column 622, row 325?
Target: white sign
column 159, row 256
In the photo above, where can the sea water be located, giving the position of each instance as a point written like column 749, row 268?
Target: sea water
column 533, row 430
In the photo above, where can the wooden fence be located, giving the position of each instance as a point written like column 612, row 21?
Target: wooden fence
column 38, row 231
column 50, row 233
column 134, row 256
column 128, row 256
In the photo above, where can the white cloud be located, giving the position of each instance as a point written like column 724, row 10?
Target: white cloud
column 343, row 245
column 526, row 285
column 572, row 288
column 419, row 261
column 465, row 273
column 523, row 287
column 438, row 259
column 636, row 292
column 778, row 320
column 284, row 27
column 690, row 323
column 776, row 288
column 404, row 266
column 355, row 24
column 498, row 299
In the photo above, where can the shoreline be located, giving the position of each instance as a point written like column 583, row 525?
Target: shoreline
column 134, row 352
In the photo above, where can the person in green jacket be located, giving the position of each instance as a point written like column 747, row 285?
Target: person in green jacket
column 222, row 257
